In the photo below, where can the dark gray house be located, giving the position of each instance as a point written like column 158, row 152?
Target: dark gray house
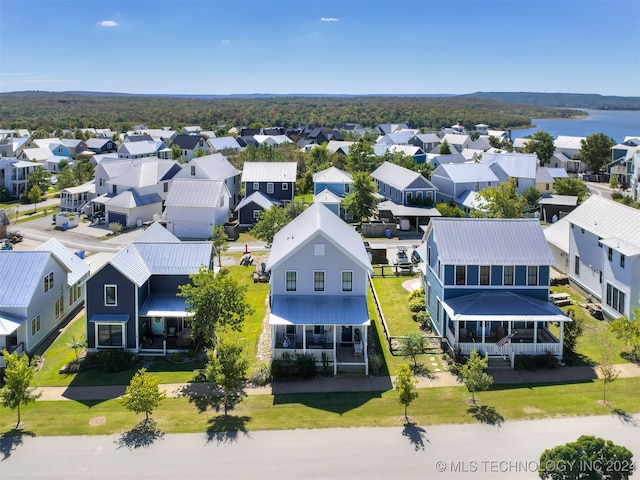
column 275, row 180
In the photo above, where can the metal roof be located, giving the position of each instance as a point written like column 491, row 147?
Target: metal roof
column 194, row 193
column 567, row 142
column 144, row 174
column 398, row 210
column 400, row 177
column 476, row 241
column 327, row 196
column 222, row 143
column 164, row 305
column 269, row 172
column 77, row 268
column 85, row 187
column 517, row 165
column 318, row 220
column 259, row 199
column 557, row 234
column 131, row 199
column 140, row 148
column 319, row 310
column 208, row 167
column 569, row 200
column 20, row 274
column 157, row 233
column 607, row 219
column 332, row 175
column 502, row 306
column 466, row 172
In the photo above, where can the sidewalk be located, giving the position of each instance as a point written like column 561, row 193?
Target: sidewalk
column 345, row 384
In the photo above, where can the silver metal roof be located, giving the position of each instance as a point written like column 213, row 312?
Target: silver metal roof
column 477, row 241
column 212, row 167
column 157, row 233
column 319, row 310
column 332, row 175
column 327, row 196
column 408, row 211
column 20, row 274
column 259, row 199
column 77, row 268
column 164, row 305
column 466, row 172
column 557, row 234
column 269, row 172
column 194, row 193
column 400, row 177
column 517, row 165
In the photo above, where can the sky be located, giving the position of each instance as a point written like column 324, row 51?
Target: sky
column 321, row 46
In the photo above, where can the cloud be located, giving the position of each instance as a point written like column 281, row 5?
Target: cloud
column 328, row 19
column 226, row 41
column 108, row 23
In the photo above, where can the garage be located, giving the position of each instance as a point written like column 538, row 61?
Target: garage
column 192, row 230
column 120, row 218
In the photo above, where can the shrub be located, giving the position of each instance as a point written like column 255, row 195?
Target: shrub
column 177, row 357
column 261, row 374
column 533, row 362
column 115, row 227
column 297, row 365
column 376, row 362
column 112, row 361
column 424, row 320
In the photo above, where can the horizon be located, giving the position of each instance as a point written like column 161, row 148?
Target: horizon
column 348, row 47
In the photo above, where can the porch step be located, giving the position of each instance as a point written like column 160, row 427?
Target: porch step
column 498, row 362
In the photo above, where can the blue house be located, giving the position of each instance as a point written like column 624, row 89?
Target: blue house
column 333, row 179
column 487, row 287
column 131, row 300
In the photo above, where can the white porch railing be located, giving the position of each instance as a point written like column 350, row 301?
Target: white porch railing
column 314, row 352
column 515, row 348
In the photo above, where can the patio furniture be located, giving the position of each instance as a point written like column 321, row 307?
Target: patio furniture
column 358, row 348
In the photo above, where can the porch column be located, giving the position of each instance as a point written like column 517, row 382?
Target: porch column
column 304, row 339
column 535, row 332
column 364, row 351
column 483, row 332
column 274, row 330
column 457, row 332
column 335, row 352
column 561, row 337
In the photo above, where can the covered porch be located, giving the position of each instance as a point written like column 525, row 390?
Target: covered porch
column 503, row 324
column 163, row 325
column 331, row 329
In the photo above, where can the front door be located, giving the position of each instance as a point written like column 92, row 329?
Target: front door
column 347, row 335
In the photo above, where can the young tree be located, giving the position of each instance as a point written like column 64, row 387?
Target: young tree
column 412, row 345
column 271, row 222
column 444, row 148
column 628, row 330
column 405, row 384
column 83, row 171
column 542, row 144
column 226, row 370
column 571, row 186
column 474, row 376
column 614, row 183
column 608, row 370
column 362, row 202
column 597, row 453
column 66, row 179
column 19, row 372
column 361, row 158
column 115, row 227
column 143, row 394
column 449, row 210
column 77, row 346
column 532, row 195
column 41, row 178
column 34, row 196
column 572, row 330
column 503, row 201
column 217, row 303
column 595, row 151
column 219, row 238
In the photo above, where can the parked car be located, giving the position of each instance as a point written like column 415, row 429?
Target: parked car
column 14, row 236
column 403, row 257
column 6, row 245
column 415, row 257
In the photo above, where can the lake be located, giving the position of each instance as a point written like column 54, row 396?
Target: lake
column 615, row 123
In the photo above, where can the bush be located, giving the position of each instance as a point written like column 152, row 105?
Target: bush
column 112, row 361
column 177, row 357
column 534, row 362
column 261, row 374
column 424, row 320
column 376, row 364
column 115, row 227
column 297, row 365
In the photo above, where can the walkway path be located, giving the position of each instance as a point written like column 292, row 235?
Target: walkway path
column 345, row 384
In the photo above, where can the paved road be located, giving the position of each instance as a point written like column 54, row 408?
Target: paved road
column 600, row 189
column 508, row 451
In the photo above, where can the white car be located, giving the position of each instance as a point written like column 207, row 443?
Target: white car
column 53, row 180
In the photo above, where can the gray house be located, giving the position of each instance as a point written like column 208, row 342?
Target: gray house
column 403, row 186
column 318, row 291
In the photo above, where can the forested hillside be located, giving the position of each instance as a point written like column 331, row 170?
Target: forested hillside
column 48, row 110
column 563, row 100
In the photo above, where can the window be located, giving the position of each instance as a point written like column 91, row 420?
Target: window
column 35, row 325
column 615, row 298
column 576, row 265
column 111, row 295
column 508, row 275
column 318, row 281
column 582, row 231
column 285, row 186
column 621, row 261
column 193, row 170
column 109, row 335
column 476, row 187
column 485, row 271
column 409, row 196
column 74, row 294
column 59, row 306
column 610, row 253
column 291, row 281
column 429, row 254
column 318, row 249
column 256, row 214
column 347, row 281
column 599, row 242
column 256, row 186
column 291, row 329
column 429, row 294
column 318, row 329
column 48, row 282
column 532, row 275
column 165, row 187
column 114, row 189
column 221, row 200
column 270, row 187
column 101, row 182
column 461, row 275
column 546, row 186
column 347, row 188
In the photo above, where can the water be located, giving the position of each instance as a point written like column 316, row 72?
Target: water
column 617, row 124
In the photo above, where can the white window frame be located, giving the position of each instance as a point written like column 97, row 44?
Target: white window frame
column 285, row 186
column 256, row 214
column 115, row 295
column 318, row 249
column 59, row 306
column 455, row 273
column 480, row 275
column 504, row 275
column 529, row 276
column 270, row 187
column 256, row 186
column 123, row 335
column 48, row 282
column 35, row 325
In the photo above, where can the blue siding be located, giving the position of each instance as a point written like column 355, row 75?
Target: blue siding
column 543, row 275
column 521, row 275
column 449, row 274
column 496, row 275
column 473, row 272
column 245, row 214
column 337, row 188
column 278, row 192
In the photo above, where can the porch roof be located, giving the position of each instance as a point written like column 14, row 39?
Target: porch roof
column 319, row 310
column 8, row 325
column 164, row 305
column 109, row 318
column 502, row 306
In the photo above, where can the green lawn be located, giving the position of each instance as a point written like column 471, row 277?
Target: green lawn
column 59, row 354
column 395, row 304
column 448, row 405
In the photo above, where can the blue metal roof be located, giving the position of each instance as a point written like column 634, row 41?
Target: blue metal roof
column 319, row 310
column 164, row 305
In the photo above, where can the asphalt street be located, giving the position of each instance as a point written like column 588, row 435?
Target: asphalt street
column 478, row 451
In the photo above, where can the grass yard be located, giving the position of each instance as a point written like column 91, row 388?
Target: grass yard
column 59, row 354
column 395, row 304
column 273, row 412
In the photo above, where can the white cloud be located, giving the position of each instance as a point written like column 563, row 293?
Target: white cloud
column 225, row 41
column 328, row 19
column 108, row 23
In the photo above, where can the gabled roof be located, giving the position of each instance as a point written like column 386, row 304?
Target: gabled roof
column 332, row 175
column 210, row 167
column 156, row 233
column 97, row 142
column 327, row 196
column 471, row 199
column 140, row 148
column 543, row 175
column 455, row 138
column 568, row 200
column 336, row 145
column 516, row 165
column 400, row 177
column 315, row 221
column 259, row 199
column 76, row 267
column 277, row 139
column 144, row 174
column 37, row 153
column 567, row 142
column 410, row 150
column 428, row 138
column 607, row 219
column 396, row 138
column 131, row 199
column 187, row 142
column 557, row 234
column 471, row 241
column 195, row 193
column 557, row 172
column 222, row 143
column 269, row 172
column 21, row 273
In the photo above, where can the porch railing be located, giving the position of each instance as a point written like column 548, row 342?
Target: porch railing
column 517, row 348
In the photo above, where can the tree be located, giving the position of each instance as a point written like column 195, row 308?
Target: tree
column 115, row 228
column 406, row 387
column 449, row 210
column 412, row 345
column 628, row 330
column 198, row 152
column 362, row 202
column 34, row 196
column 571, row 186
column 19, row 372
column 503, row 201
column 531, row 195
column 226, row 370
column 219, row 238
column 595, row 151
column 41, row 178
column 361, row 158
column 77, row 346
column 176, row 152
column 217, row 303
column 542, row 144
column 608, row 370
column 66, row 179
column 614, row 183
column 572, row 330
column 83, row 171
column 588, row 457
column 444, row 148
column 271, row 222
column 474, row 376
column 143, row 394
